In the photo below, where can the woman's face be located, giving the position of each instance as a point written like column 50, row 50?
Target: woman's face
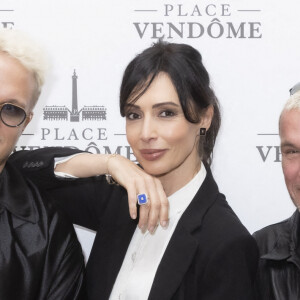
column 163, row 141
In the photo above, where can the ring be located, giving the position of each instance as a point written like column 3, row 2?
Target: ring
column 142, row 199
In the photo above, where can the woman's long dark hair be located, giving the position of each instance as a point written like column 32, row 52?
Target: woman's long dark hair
column 184, row 66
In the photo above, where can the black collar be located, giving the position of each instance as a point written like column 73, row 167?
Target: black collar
column 16, row 196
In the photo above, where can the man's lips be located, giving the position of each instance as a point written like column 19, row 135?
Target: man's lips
column 152, row 154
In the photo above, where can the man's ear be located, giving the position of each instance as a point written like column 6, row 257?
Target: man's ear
column 27, row 121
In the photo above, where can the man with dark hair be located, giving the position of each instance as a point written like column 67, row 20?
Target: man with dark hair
column 279, row 244
column 40, row 256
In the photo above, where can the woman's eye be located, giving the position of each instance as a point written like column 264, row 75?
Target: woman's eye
column 132, row 116
column 167, row 113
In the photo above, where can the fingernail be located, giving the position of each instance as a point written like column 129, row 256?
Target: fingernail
column 151, row 229
column 165, row 224
column 143, row 228
column 133, row 216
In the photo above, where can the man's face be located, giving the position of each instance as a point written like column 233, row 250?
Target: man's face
column 289, row 129
column 17, row 86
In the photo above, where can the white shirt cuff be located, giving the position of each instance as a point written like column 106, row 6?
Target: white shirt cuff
column 60, row 160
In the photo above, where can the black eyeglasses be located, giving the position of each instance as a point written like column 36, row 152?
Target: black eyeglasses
column 12, row 115
column 295, row 88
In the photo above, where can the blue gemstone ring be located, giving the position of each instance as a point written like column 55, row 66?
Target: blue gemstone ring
column 142, row 199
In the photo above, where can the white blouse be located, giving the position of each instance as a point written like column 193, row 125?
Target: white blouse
column 146, row 250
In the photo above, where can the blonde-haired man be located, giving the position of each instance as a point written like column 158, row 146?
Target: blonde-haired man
column 40, row 257
column 279, row 244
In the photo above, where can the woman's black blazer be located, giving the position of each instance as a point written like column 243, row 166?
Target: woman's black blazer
column 211, row 255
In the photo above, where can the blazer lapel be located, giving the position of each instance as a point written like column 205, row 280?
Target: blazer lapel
column 184, row 242
column 174, row 264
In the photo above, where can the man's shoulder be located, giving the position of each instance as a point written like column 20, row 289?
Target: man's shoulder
column 29, row 205
column 271, row 230
column 268, row 236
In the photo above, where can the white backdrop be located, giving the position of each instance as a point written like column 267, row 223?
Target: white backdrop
column 250, row 48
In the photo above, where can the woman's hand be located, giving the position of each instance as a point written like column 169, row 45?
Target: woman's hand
column 136, row 181
column 131, row 177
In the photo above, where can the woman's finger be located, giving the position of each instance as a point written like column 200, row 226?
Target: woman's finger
column 131, row 191
column 154, row 212
column 164, row 205
column 144, row 215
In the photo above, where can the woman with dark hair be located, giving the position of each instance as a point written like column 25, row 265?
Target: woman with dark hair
column 183, row 65
column 172, row 121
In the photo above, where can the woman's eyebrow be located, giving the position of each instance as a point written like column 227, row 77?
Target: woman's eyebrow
column 129, row 105
column 165, row 103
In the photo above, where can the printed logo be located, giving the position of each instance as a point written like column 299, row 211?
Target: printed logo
column 269, row 148
column 94, row 137
column 62, row 113
column 6, row 17
column 194, row 21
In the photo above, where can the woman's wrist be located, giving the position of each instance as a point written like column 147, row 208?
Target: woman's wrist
column 108, row 176
column 109, row 157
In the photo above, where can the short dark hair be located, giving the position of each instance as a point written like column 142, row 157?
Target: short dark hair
column 183, row 64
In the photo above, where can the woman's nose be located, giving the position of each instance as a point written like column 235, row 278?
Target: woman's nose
column 148, row 130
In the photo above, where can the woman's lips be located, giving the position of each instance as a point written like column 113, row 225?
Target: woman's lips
column 152, row 154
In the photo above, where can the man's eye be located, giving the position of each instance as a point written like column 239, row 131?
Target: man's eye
column 291, row 152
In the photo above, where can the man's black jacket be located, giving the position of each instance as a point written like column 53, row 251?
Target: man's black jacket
column 279, row 267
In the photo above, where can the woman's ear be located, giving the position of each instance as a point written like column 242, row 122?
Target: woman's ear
column 207, row 117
